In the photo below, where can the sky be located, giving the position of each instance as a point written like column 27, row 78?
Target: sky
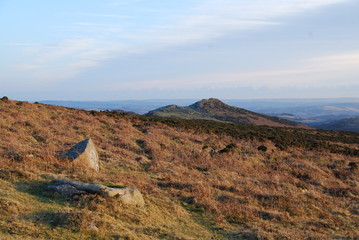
column 141, row 49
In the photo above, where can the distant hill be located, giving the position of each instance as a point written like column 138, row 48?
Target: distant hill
column 215, row 110
column 134, row 106
column 347, row 124
column 305, row 111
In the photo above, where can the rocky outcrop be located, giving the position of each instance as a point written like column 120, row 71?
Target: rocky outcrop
column 4, row 99
column 126, row 195
column 84, row 153
column 214, row 110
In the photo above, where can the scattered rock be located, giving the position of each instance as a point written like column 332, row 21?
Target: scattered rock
column 354, row 165
column 126, row 195
column 208, row 149
column 228, row 148
column 85, row 153
column 262, row 148
column 93, row 227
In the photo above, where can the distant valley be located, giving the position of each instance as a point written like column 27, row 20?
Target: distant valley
column 346, row 124
column 312, row 112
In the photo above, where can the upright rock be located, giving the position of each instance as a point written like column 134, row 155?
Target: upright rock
column 84, row 153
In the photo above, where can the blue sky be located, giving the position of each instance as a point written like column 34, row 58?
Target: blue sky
column 138, row 49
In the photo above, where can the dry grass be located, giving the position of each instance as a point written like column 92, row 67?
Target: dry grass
column 192, row 189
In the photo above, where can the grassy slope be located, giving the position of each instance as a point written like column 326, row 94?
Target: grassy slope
column 191, row 188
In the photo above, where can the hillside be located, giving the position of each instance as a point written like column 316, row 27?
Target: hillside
column 347, row 124
column 215, row 110
column 199, row 179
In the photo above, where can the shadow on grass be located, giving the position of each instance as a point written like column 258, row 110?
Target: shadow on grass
column 249, row 234
column 40, row 191
column 199, row 216
column 45, row 217
column 73, row 220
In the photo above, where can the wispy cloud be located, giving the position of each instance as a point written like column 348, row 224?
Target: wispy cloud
column 215, row 18
column 121, row 3
column 56, row 62
column 211, row 19
column 88, row 24
column 22, row 44
column 28, row 66
column 313, row 72
column 104, row 15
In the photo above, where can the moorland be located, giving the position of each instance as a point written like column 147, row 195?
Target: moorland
column 200, row 179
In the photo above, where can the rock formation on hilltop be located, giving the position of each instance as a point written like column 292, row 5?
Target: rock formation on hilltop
column 215, row 110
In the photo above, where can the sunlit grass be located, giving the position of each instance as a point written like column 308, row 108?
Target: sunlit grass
column 197, row 184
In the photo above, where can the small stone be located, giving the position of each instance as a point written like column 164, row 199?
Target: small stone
column 93, row 227
column 128, row 196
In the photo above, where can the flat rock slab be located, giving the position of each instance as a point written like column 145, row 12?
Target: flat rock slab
column 85, row 154
column 126, row 195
